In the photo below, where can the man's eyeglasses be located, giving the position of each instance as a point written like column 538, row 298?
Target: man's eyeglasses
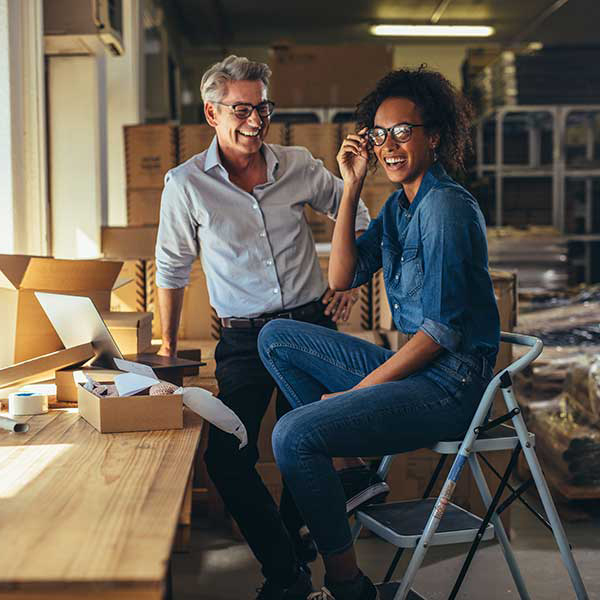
column 242, row 110
column 401, row 133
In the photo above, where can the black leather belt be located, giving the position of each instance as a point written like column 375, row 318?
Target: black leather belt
column 301, row 313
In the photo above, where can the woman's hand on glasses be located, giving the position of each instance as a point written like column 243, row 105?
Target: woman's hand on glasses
column 353, row 157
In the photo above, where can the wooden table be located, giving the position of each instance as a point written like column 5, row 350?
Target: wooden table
column 91, row 515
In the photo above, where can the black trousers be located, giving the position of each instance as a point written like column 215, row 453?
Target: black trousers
column 246, row 387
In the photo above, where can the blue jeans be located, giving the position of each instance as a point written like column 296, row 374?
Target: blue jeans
column 306, row 360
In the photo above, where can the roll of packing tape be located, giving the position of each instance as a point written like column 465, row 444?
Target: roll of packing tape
column 27, row 403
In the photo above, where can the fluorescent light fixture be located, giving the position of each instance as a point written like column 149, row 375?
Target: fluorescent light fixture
column 433, row 30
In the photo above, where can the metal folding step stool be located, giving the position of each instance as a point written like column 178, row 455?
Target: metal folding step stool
column 427, row 522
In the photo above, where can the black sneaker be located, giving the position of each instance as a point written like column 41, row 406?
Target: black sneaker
column 361, row 588
column 362, row 486
column 304, row 546
column 299, row 590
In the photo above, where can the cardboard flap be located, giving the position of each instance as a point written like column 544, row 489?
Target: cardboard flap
column 51, row 274
column 40, row 368
column 12, row 270
column 125, row 319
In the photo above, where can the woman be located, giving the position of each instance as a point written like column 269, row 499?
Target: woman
column 350, row 397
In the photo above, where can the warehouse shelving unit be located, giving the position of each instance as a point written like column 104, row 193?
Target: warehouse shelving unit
column 543, row 151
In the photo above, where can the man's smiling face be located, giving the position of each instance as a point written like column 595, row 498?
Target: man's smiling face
column 239, row 136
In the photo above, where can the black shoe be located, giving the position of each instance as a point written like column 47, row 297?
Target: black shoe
column 304, row 546
column 361, row 588
column 362, row 486
column 299, row 590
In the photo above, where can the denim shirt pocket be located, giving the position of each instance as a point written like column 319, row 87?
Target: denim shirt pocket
column 411, row 279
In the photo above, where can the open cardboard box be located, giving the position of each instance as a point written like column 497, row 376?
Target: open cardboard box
column 26, row 330
column 117, row 414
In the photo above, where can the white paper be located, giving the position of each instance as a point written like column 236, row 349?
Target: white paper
column 209, row 407
column 129, row 384
column 132, row 367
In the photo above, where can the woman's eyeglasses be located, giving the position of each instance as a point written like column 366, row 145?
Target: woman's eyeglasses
column 242, row 110
column 401, row 133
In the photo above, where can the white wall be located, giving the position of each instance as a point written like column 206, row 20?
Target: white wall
column 23, row 180
column 125, row 101
column 77, row 137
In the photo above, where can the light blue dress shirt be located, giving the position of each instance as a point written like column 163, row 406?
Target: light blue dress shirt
column 257, row 250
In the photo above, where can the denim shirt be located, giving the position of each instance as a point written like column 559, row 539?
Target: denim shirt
column 433, row 253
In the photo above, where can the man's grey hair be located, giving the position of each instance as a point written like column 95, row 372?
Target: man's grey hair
column 233, row 68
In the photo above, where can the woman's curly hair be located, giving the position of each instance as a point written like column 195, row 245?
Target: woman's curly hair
column 444, row 111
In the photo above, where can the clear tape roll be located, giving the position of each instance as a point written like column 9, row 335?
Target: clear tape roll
column 27, row 403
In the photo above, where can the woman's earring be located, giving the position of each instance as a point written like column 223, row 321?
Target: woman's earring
column 435, row 156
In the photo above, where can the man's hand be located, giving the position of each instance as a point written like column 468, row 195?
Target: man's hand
column 339, row 304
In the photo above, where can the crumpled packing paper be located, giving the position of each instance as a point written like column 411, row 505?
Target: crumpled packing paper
column 209, row 407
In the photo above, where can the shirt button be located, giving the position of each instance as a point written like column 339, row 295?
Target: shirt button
column 397, row 277
column 402, row 259
column 275, row 290
column 255, row 206
column 263, row 234
column 382, row 244
column 396, row 306
column 269, row 262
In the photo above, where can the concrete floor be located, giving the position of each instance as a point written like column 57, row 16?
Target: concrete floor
column 220, row 568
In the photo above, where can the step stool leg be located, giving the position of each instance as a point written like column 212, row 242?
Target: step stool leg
column 498, row 528
column 546, row 498
column 436, row 516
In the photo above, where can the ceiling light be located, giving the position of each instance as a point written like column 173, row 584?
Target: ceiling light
column 433, row 30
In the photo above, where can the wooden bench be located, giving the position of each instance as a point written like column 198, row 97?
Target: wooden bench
column 91, row 515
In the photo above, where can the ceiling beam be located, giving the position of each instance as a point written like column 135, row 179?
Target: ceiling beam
column 537, row 21
column 439, row 10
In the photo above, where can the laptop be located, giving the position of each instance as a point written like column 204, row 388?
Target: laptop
column 77, row 321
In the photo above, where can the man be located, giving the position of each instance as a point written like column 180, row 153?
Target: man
column 241, row 202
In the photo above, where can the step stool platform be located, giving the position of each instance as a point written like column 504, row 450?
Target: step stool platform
column 402, row 523
column 503, row 437
column 387, row 591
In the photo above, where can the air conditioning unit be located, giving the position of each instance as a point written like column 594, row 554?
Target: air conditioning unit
column 80, row 26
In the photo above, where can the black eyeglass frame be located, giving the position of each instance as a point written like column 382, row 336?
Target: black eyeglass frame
column 388, row 130
column 252, row 107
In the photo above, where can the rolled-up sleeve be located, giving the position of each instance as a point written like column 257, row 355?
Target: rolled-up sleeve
column 327, row 190
column 176, row 243
column 368, row 247
column 448, row 223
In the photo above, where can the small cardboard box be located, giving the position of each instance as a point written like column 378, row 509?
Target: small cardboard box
column 26, row 331
column 194, row 139
column 326, row 75
column 129, row 413
column 129, row 242
column 143, row 206
column 132, row 331
column 66, row 380
column 150, row 151
column 131, row 296
column 321, row 139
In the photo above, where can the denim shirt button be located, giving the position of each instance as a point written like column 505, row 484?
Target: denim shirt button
column 397, row 277
column 396, row 306
column 402, row 259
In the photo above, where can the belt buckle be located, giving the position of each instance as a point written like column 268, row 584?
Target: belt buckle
column 286, row 315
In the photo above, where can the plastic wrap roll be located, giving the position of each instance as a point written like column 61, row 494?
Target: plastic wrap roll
column 10, row 425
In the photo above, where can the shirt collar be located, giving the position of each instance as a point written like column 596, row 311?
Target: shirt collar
column 213, row 158
column 433, row 175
